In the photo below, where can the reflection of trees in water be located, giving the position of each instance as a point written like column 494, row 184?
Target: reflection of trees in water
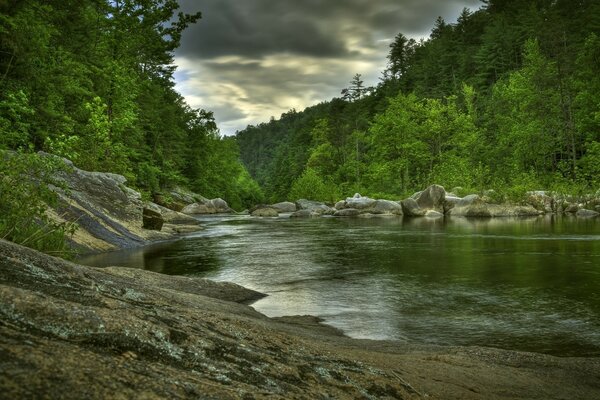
column 185, row 257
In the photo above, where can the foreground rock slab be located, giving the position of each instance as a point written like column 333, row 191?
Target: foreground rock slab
column 72, row 332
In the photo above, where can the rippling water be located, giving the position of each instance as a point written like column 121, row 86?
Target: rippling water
column 525, row 284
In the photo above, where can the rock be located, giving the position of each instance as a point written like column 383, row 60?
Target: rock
column 433, row 214
column 432, row 198
column 360, row 203
column 541, row 201
column 221, row 206
column 214, row 206
column 583, row 213
column 314, row 206
column 284, row 207
column 305, row 214
column 265, row 212
column 571, row 208
column 347, row 212
column 152, row 219
column 178, row 198
column 475, row 207
column 410, row 208
column 450, row 201
column 198, row 208
column 340, row 205
column 109, row 215
column 385, row 207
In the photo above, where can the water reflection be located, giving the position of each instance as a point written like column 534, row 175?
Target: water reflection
column 527, row 284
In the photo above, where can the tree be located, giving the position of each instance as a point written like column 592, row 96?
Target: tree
column 401, row 53
column 357, row 89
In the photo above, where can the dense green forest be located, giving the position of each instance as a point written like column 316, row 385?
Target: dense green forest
column 92, row 81
column 505, row 98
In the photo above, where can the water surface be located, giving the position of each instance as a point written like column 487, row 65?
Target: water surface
column 524, row 284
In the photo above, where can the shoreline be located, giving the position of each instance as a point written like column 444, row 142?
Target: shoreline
column 73, row 331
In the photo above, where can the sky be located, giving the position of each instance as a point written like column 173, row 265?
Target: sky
column 250, row 60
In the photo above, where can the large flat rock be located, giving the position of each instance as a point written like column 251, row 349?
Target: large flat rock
column 73, row 332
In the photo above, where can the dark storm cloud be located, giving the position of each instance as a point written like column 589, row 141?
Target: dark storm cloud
column 308, row 27
column 248, row 60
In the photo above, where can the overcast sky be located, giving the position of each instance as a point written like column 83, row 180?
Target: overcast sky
column 248, row 60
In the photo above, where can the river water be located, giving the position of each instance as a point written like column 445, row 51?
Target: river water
column 522, row 284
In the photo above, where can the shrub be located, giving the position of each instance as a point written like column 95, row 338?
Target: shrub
column 25, row 195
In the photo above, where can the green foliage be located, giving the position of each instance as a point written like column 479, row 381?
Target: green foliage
column 505, row 98
column 15, row 112
column 311, row 186
column 24, row 198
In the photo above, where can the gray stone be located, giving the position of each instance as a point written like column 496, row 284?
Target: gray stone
column 152, row 219
column 360, row 203
column 314, row 206
column 284, row 207
column 199, row 208
column 340, row 205
column 386, row 207
column 265, row 212
column 432, row 198
column 305, row 214
column 347, row 212
column 410, row 208
column 214, row 206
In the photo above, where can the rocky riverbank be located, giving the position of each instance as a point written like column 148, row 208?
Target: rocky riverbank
column 436, row 202
column 70, row 331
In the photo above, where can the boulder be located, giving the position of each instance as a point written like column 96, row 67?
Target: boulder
column 108, row 214
column 284, row 207
column 347, row 212
column 152, row 219
column 432, row 198
column 584, row 213
column 314, row 206
column 541, row 201
column 570, row 208
column 360, row 203
column 386, row 207
column 480, row 209
column 199, row 208
column 410, row 208
column 178, row 198
column 214, row 206
column 340, row 205
column 265, row 212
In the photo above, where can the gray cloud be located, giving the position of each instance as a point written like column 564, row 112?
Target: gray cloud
column 248, row 60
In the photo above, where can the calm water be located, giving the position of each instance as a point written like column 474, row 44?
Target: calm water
column 525, row 284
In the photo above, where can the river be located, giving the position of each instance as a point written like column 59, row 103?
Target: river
column 521, row 284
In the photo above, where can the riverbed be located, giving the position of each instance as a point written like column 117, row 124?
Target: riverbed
column 520, row 284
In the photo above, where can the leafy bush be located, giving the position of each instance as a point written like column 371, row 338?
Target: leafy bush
column 311, row 186
column 24, row 199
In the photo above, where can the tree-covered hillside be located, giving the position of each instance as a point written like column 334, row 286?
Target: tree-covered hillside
column 505, row 98
column 92, row 80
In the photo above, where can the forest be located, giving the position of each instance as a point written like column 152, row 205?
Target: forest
column 506, row 99
column 92, row 81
